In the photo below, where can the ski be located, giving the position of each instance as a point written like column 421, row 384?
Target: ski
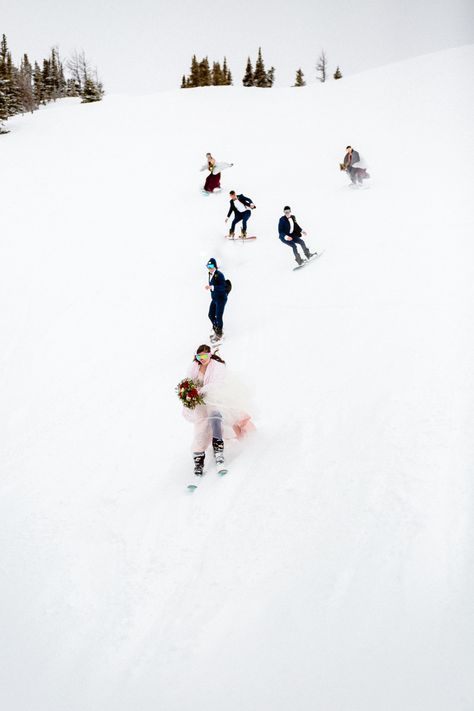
column 222, row 472
column 240, row 239
column 191, row 487
column 311, row 259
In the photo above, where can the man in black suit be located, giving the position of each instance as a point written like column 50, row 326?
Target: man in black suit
column 241, row 206
column 290, row 233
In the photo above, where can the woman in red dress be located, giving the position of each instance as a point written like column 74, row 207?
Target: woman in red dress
column 213, row 180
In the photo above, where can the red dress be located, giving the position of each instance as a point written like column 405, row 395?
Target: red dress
column 213, row 180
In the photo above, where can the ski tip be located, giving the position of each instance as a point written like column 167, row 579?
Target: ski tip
column 222, row 472
column 191, row 487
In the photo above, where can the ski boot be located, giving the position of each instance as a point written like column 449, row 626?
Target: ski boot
column 218, row 447
column 309, row 254
column 243, row 234
column 218, row 336
column 199, row 463
column 299, row 261
column 231, row 234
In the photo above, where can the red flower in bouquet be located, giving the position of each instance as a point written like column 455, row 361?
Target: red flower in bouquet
column 188, row 393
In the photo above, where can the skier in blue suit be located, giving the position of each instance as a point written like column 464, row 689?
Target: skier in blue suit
column 290, row 233
column 219, row 289
column 241, row 206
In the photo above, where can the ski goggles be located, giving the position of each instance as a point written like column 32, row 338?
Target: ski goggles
column 210, row 266
column 202, row 356
column 287, row 212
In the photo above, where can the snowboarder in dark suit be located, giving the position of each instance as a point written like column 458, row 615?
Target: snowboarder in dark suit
column 218, row 288
column 290, row 233
column 241, row 206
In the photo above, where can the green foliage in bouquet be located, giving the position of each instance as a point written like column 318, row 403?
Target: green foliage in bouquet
column 189, row 394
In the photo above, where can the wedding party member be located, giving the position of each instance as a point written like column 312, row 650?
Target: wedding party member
column 213, row 180
column 355, row 165
column 242, row 208
column 218, row 285
column 221, row 415
column 290, row 233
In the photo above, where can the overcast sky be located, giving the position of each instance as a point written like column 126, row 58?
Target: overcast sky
column 146, row 45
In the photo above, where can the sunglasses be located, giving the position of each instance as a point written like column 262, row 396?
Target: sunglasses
column 202, row 356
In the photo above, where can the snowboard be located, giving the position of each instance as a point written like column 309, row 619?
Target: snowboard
column 240, row 239
column 307, row 261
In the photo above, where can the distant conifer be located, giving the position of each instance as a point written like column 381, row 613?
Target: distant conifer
column 260, row 78
column 217, row 75
column 226, row 73
column 270, row 77
column 204, row 73
column 4, row 80
column 337, row 74
column 299, row 80
column 249, row 75
column 92, row 91
column 38, row 88
column 25, row 81
column 193, row 79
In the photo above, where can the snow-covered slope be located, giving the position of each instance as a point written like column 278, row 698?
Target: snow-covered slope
column 332, row 569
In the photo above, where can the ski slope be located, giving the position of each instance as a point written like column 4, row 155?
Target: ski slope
column 332, row 569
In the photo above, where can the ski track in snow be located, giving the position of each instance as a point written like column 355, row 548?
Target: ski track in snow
column 332, row 567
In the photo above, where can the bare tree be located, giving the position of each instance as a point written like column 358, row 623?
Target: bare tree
column 321, row 66
column 79, row 69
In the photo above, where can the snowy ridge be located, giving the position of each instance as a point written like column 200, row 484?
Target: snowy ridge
column 332, row 568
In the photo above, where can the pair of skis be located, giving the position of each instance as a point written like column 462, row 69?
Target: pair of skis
column 220, row 472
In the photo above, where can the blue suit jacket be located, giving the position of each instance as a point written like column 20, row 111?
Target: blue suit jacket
column 284, row 227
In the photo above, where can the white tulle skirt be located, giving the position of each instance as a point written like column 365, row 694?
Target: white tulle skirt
column 224, row 414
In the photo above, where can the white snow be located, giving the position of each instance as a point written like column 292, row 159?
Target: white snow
column 333, row 568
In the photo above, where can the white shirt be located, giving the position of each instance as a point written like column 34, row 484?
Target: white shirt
column 292, row 224
column 240, row 206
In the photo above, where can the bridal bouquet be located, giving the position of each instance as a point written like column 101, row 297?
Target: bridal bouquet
column 188, row 393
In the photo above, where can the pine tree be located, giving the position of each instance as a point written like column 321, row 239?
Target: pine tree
column 4, row 80
column 217, row 75
column 47, row 80
column 270, row 77
column 15, row 105
column 25, row 79
column 204, row 73
column 193, row 79
column 321, row 66
column 226, row 73
column 183, row 82
column 260, row 78
column 38, row 86
column 92, row 91
column 337, row 74
column 3, row 102
column 58, row 82
column 249, row 75
column 299, row 80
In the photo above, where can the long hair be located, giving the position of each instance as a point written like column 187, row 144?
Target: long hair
column 207, row 349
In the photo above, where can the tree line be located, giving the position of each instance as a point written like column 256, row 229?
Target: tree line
column 201, row 73
column 26, row 87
